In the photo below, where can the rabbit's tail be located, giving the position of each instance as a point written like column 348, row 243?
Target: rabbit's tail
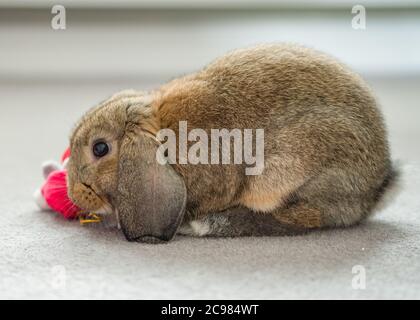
column 390, row 187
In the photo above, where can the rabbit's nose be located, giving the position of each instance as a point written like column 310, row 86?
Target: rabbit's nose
column 86, row 198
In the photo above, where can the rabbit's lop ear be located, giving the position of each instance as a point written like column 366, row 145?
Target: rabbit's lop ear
column 151, row 197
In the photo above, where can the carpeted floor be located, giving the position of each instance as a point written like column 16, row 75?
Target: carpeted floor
column 44, row 256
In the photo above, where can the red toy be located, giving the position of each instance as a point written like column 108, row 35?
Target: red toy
column 53, row 193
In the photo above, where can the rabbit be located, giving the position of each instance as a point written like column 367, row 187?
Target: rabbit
column 326, row 155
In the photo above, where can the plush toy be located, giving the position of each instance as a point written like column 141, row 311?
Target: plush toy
column 53, row 193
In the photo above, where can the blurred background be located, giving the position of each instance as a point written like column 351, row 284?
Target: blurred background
column 48, row 77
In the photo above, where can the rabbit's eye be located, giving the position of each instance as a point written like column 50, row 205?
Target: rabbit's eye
column 100, row 149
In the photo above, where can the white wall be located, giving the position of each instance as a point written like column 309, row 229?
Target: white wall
column 206, row 4
column 162, row 43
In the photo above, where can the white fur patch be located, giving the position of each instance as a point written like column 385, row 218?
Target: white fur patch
column 195, row 228
column 200, row 227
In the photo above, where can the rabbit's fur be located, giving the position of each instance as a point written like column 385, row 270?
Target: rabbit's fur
column 325, row 148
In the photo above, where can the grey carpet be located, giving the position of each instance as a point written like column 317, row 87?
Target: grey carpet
column 44, row 256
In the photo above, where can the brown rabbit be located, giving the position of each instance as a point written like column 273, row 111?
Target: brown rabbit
column 325, row 149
